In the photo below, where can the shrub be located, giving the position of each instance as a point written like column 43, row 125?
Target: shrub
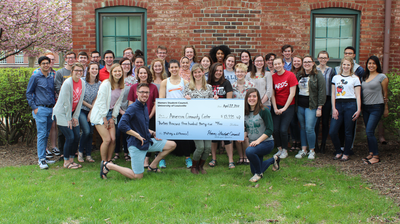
column 392, row 122
column 17, row 122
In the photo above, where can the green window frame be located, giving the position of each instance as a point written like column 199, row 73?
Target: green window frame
column 116, row 29
column 333, row 29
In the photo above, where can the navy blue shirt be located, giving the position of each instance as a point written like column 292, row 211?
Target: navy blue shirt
column 40, row 90
column 136, row 118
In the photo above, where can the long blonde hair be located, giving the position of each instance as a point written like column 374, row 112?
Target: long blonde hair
column 121, row 83
column 163, row 73
column 192, row 84
column 350, row 59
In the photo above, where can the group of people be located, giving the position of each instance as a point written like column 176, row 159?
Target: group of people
column 281, row 94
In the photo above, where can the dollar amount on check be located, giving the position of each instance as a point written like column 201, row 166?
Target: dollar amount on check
column 200, row 119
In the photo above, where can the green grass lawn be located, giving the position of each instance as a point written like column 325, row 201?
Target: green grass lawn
column 57, row 195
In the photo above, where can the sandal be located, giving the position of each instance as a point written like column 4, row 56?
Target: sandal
column 337, row 157
column 155, row 170
column 368, row 162
column 115, row 157
column 103, row 165
column 255, row 178
column 276, row 166
column 127, row 158
column 368, row 157
column 231, row 165
column 89, row 159
column 298, row 145
column 77, row 164
column 80, row 157
column 240, row 161
column 343, row 159
column 212, row 163
column 70, row 166
column 246, row 161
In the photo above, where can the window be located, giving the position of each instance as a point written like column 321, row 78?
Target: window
column 4, row 61
column 119, row 28
column 19, row 58
column 333, row 30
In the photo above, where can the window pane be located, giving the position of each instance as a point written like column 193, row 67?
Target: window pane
column 122, row 43
column 333, row 47
column 346, row 27
column 109, row 43
column 122, row 25
column 320, row 27
column 333, row 27
column 108, row 26
column 320, row 45
column 135, row 26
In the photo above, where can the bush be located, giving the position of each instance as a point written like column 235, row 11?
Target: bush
column 392, row 122
column 17, row 122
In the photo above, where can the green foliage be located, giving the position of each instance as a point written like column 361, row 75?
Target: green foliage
column 392, row 122
column 16, row 116
column 300, row 192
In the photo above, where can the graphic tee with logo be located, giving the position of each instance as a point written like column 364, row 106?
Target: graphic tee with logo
column 77, row 92
column 282, row 84
column 344, row 86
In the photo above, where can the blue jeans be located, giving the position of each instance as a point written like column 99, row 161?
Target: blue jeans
column 71, row 141
column 118, row 134
column 87, row 133
column 307, row 119
column 281, row 125
column 372, row 114
column 43, row 126
column 256, row 154
column 346, row 111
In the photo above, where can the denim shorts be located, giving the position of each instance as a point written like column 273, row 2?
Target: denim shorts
column 108, row 117
column 138, row 156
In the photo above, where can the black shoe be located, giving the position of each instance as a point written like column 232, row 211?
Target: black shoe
column 322, row 148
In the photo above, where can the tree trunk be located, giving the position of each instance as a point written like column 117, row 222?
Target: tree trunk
column 31, row 61
column 61, row 59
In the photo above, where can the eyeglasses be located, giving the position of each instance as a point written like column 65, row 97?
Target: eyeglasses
column 144, row 92
column 128, row 53
column 78, row 71
column 70, row 58
column 45, row 63
column 348, row 53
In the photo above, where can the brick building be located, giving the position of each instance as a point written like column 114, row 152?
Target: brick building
column 261, row 26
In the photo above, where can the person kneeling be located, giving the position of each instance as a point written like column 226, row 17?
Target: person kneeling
column 135, row 122
column 258, row 128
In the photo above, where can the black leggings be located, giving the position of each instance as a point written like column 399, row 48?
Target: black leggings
column 281, row 125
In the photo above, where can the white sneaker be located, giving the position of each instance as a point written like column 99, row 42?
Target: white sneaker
column 311, row 155
column 301, row 154
column 49, row 155
column 50, row 161
column 278, row 153
column 43, row 164
column 284, row 154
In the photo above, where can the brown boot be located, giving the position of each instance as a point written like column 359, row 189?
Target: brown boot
column 194, row 168
column 201, row 164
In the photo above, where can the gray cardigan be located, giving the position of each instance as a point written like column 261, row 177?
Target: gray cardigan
column 63, row 108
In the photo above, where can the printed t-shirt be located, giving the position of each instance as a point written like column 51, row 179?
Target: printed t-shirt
column 77, row 92
column 221, row 89
column 282, row 84
column 344, row 86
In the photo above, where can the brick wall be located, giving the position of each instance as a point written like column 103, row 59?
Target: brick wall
column 260, row 26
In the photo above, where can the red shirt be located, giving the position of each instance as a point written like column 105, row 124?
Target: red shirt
column 77, row 92
column 103, row 74
column 282, row 84
column 152, row 96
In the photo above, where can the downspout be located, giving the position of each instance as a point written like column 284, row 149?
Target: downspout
column 386, row 42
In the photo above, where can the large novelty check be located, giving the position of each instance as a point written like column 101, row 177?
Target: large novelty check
column 200, row 119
